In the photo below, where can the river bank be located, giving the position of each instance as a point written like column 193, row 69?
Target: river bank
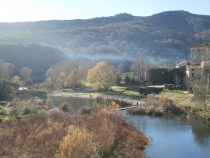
column 187, row 102
column 157, row 107
column 167, row 102
column 88, row 95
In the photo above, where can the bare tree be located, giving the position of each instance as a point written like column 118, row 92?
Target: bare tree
column 26, row 74
column 6, row 69
column 200, row 90
column 141, row 68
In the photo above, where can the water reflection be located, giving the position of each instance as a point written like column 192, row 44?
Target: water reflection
column 174, row 137
column 74, row 104
column 201, row 131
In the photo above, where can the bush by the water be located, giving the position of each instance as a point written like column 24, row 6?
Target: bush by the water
column 157, row 107
column 85, row 110
column 109, row 100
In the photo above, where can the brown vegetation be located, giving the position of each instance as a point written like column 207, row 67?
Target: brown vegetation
column 54, row 134
column 85, row 110
column 108, row 100
column 157, row 107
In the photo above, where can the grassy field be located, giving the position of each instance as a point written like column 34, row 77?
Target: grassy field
column 118, row 88
column 124, row 92
column 180, row 97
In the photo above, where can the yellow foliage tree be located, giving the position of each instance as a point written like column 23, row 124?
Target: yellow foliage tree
column 77, row 144
column 101, row 76
column 113, row 106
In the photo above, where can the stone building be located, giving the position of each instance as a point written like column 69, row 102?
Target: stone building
column 201, row 52
column 199, row 64
column 197, row 71
column 201, row 73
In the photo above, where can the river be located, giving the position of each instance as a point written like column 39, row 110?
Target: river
column 171, row 137
column 174, row 137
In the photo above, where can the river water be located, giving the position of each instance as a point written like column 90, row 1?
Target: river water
column 174, row 137
column 171, row 137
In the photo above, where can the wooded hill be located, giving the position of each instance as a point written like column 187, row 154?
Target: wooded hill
column 36, row 57
column 167, row 35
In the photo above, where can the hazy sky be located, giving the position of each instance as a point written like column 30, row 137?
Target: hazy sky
column 33, row 10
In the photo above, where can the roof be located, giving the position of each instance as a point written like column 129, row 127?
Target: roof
column 194, row 66
column 206, row 60
column 203, row 45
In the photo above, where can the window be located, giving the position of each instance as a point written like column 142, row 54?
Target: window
column 192, row 69
column 193, row 75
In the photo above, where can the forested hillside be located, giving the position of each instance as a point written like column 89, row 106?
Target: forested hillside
column 167, row 35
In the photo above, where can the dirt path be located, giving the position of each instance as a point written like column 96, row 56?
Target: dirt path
column 133, row 102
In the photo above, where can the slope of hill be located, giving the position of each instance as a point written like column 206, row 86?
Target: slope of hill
column 167, row 35
column 36, row 57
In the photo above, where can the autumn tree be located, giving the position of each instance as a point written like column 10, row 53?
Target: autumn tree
column 67, row 74
column 26, row 74
column 101, row 76
column 78, row 143
column 72, row 79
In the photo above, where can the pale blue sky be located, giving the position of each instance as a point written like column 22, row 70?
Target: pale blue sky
column 33, row 10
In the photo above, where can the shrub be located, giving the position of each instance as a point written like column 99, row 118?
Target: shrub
column 113, row 106
column 64, row 107
column 27, row 111
column 3, row 112
column 96, row 107
column 157, row 107
column 85, row 110
column 77, row 144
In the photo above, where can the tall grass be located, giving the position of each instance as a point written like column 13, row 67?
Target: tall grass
column 54, row 134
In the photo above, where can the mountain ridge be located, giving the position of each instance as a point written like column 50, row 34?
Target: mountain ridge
column 167, row 35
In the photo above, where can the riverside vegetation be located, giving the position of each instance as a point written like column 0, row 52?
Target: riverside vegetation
column 55, row 134
column 157, row 107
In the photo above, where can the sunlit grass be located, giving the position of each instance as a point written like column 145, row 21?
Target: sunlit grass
column 132, row 93
column 122, row 91
column 182, row 98
column 118, row 88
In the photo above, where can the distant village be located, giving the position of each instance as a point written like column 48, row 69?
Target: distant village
column 184, row 74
